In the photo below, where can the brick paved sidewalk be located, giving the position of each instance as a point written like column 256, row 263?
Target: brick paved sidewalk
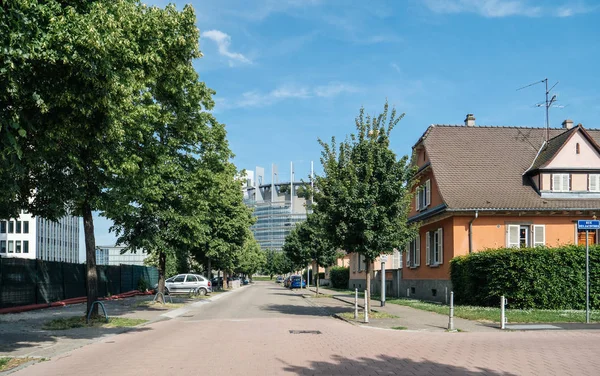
column 411, row 318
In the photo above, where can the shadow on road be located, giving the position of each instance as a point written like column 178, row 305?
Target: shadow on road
column 384, row 365
column 302, row 310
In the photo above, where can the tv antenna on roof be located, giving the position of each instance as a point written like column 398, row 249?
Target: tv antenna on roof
column 548, row 103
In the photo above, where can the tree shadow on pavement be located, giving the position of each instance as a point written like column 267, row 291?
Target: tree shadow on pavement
column 385, row 365
column 302, row 310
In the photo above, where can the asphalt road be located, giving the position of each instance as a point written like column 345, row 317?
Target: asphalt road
column 267, row 330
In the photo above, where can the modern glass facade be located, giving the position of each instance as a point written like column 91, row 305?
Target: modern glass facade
column 274, row 221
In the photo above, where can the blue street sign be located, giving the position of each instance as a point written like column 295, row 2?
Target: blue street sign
column 585, row 224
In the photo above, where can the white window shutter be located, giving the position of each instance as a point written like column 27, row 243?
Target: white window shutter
column 408, row 254
column 512, row 236
column 539, row 235
column 427, row 248
column 418, row 251
column 594, row 182
column 417, row 200
column 428, row 192
column 565, row 182
column 556, row 182
column 440, row 246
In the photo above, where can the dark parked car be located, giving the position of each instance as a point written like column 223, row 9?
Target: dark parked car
column 217, row 282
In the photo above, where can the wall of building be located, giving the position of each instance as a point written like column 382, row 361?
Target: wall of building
column 568, row 158
column 441, row 271
column 436, row 197
column 21, row 240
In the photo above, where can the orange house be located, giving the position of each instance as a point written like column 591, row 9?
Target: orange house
column 489, row 187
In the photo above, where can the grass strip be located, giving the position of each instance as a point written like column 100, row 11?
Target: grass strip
column 10, row 363
column 79, row 322
column 492, row 314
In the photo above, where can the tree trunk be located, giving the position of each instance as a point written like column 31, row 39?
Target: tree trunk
column 208, row 267
column 90, row 257
column 368, row 271
column 317, row 284
column 162, row 265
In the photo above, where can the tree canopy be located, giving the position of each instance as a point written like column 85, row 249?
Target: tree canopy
column 364, row 193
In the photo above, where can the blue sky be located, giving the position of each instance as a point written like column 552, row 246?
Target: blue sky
column 288, row 72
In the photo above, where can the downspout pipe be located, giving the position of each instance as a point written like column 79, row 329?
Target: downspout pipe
column 471, row 231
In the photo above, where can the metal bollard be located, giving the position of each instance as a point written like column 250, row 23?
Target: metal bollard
column 451, row 319
column 355, row 304
column 366, row 308
column 502, row 313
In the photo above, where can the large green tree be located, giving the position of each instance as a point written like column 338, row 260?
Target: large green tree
column 364, row 193
column 80, row 80
column 228, row 220
column 250, row 259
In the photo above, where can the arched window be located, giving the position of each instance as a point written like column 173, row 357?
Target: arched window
column 577, row 148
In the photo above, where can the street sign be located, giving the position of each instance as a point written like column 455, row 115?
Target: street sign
column 585, row 224
column 384, row 258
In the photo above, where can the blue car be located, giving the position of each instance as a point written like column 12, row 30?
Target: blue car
column 295, row 282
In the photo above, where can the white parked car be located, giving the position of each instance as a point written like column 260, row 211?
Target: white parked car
column 188, row 283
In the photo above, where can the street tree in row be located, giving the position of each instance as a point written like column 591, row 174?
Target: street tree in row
column 276, row 263
column 308, row 243
column 251, row 259
column 364, row 193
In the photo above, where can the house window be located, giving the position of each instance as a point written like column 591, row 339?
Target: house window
column 577, row 148
column 561, row 182
column 25, row 227
column 522, row 236
column 11, row 245
column 25, row 246
column 2, row 246
column 2, row 227
column 435, row 247
column 18, row 246
column 594, row 182
column 11, row 227
column 18, row 227
column 413, row 253
column 423, row 196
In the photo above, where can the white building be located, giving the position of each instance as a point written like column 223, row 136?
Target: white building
column 113, row 255
column 34, row 237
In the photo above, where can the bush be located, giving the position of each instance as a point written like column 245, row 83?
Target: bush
column 544, row 278
column 339, row 277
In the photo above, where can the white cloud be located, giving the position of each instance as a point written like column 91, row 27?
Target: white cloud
column 334, row 88
column 396, row 67
column 223, row 42
column 260, row 99
column 503, row 8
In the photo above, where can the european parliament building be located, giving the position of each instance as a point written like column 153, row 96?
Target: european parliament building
column 276, row 206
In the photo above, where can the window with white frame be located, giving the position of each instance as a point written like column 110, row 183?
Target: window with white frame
column 594, row 182
column 423, row 196
column 413, row 252
column 396, row 259
column 434, row 245
column 521, row 236
column 561, row 182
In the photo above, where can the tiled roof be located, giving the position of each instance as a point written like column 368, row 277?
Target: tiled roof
column 482, row 167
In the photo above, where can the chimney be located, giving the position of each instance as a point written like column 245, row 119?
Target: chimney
column 470, row 120
column 567, row 124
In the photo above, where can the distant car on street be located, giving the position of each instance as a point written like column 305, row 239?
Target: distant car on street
column 188, row 283
column 295, row 281
column 279, row 279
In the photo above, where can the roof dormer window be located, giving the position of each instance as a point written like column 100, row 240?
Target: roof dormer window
column 561, row 182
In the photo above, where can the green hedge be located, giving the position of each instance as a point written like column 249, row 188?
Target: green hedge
column 545, row 278
column 339, row 277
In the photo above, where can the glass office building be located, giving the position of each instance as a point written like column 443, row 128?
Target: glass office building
column 276, row 207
